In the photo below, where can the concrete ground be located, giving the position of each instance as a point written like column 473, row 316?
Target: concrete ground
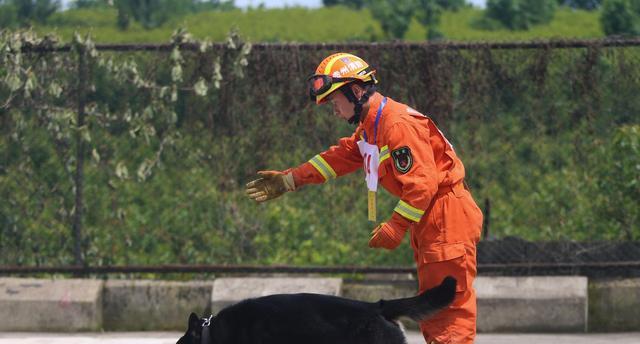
column 414, row 338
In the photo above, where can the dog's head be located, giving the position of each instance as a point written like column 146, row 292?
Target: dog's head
column 198, row 330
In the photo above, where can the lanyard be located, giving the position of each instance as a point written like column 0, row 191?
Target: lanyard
column 375, row 126
column 371, row 153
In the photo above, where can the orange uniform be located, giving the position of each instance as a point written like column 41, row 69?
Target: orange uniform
column 419, row 166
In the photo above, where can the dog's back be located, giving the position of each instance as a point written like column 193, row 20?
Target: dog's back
column 321, row 319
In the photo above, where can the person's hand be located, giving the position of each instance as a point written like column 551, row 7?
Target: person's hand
column 270, row 185
column 385, row 236
column 389, row 234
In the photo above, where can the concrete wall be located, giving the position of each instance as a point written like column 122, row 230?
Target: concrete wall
column 531, row 304
column 69, row 305
column 376, row 290
column 614, row 305
column 505, row 304
column 153, row 305
column 228, row 291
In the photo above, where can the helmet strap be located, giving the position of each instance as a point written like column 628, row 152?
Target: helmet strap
column 357, row 107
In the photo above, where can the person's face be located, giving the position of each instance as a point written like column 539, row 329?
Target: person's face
column 341, row 105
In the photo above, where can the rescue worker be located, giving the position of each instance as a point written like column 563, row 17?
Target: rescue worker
column 405, row 152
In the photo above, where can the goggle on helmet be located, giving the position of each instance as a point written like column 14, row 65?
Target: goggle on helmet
column 336, row 71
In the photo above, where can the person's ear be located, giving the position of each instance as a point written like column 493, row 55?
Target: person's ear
column 194, row 321
column 358, row 90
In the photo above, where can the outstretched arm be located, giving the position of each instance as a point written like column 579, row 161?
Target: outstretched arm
column 338, row 160
column 270, row 185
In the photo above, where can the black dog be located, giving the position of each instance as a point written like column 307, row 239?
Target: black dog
column 316, row 319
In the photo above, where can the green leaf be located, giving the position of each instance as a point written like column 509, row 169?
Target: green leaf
column 13, row 82
column 176, row 56
column 55, row 90
column 95, row 156
column 85, row 134
column 205, row 45
column 144, row 170
column 201, row 87
column 174, row 94
column 176, row 73
column 121, row 170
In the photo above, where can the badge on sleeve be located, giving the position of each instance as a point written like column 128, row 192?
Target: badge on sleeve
column 402, row 159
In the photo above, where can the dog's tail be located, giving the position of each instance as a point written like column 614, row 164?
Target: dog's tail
column 422, row 306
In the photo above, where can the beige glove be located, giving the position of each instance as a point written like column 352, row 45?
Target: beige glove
column 270, row 185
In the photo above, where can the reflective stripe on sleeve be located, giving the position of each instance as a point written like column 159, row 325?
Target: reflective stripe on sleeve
column 384, row 154
column 323, row 167
column 414, row 214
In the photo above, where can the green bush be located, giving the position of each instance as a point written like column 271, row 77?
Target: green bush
column 521, row 14
column 428, row 13
column 89, row 4
column 154, row 13
column 549, row 136
column 394, row 16
column 357, row 4
column 582, row 4
column 452, row 5
column 616, row 196
column 621, row 17
column 34, row 11
column 8, row 16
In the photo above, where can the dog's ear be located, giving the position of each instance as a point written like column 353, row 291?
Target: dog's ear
column 194, row 321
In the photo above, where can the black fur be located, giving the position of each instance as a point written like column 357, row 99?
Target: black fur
column 318, row 319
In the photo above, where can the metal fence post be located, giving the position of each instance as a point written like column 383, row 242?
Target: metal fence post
column 486, row 221
column 79, row 173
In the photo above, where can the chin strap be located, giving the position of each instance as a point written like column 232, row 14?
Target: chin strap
column 357, row 107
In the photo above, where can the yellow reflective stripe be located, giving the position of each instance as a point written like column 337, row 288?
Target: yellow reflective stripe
column 327, row 69
column 411, row 213
column 384, row 154
column 323, row 167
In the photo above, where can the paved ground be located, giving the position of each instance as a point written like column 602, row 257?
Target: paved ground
column 414, row 338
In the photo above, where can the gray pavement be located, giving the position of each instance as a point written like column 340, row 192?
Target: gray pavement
column 414, row 338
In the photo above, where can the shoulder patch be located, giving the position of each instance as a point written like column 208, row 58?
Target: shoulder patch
column 402, row 159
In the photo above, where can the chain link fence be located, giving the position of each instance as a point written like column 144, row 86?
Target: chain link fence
column 135, row 155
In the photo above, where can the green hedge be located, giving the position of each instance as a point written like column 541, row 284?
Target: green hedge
column 549, row 136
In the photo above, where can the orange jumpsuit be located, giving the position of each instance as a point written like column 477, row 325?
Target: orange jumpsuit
column 418, row 165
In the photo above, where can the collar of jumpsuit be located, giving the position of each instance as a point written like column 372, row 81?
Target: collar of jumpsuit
column 368, row 123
